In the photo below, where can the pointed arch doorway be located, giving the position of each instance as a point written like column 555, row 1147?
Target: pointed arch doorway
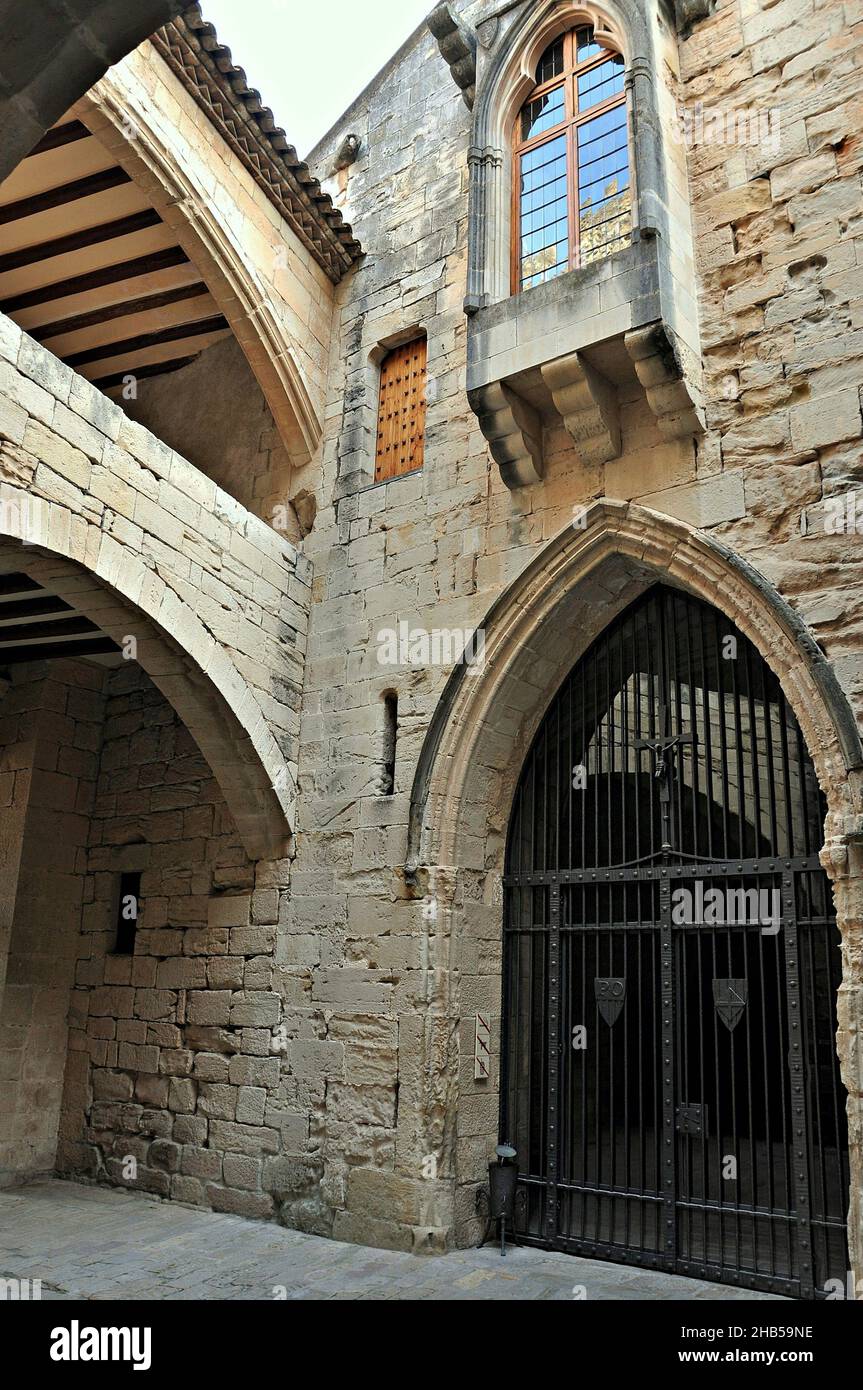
column 671, row 962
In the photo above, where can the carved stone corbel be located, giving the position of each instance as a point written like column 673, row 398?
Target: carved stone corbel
column 688, row 12
column 587, row 401
column 513, row 430
column 658, row 367
column 458, row 48
column 347, row 152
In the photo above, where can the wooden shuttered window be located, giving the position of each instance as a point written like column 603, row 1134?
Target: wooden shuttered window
column 402, row 411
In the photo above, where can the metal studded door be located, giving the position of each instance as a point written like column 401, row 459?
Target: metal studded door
column 671, row 963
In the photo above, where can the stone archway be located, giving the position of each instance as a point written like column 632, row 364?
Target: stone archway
column 125, row 598
column 152, row 770
column 469, row 767
column 107, row 805
column 242, row 274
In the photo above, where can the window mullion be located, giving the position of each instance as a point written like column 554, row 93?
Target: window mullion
column 572, row 194
column 516, row 241
column 543, row 89
column 569, row 103
column 583, row 117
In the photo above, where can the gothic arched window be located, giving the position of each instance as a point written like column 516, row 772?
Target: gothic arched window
column 571, row 178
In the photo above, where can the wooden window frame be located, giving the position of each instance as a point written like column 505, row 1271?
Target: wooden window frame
column 568, row 127
column 412, row 453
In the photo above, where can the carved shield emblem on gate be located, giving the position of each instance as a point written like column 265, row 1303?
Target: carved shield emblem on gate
column 729, row 996
column 609, row 995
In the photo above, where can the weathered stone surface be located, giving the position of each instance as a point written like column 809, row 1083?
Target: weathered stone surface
column 297, row 1021
column 770, row 221
column 72, row 43
column 165, row 1155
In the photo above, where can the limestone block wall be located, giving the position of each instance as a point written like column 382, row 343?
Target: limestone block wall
column 180, row 564
column 50, row 725
column 370, row 952
column 176, row 1057
column 214, row 414
column 780, row 249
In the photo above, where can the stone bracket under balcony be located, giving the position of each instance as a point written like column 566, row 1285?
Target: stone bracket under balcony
column 562, row 352
column 658, row 362
column 587, row 402
column 513, row 430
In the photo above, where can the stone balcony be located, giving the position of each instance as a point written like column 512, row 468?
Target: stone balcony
column 562, row 350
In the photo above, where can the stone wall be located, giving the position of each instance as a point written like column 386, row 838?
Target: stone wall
column 50, row 726
column 175, row 1053
column 780, row 247
column 777, row 281
column 192, row 573
column 213, row 413
column 171, row 1062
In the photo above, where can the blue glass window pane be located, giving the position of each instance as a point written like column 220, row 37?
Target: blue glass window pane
column 602, row 144
column 600, row 83
column 544, row 213
column 551, row 63
column 585, row 45
column 604, row 214
column 542, row 114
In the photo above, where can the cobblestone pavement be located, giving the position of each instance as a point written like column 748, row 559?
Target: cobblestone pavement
column 89, row 1242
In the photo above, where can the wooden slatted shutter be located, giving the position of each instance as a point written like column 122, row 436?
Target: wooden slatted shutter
column 402, row 411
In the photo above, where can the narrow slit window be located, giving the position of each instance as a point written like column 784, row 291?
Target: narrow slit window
column 401, row 411
column 128, row 907
column 388, row 759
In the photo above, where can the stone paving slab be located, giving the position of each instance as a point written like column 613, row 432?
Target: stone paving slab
column 98, row 1243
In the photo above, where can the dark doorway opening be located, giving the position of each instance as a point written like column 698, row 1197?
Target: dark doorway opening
column 671, row 963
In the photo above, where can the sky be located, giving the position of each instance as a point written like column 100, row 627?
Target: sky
column 310, row 58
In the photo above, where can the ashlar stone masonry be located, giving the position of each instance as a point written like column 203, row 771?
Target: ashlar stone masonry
column 294, row 1034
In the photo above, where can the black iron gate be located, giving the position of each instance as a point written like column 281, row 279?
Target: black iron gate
column 671, row 962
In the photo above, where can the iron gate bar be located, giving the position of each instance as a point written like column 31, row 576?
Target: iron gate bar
column 798, row 1091
column 553, row 1063
column 680, row 869
column 602, row 1147
column 669, row 1144
column 771, row 1180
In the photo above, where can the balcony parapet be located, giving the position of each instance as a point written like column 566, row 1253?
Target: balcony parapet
column 561, row 351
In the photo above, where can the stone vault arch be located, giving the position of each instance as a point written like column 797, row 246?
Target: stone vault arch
column 129, row 127
column 51, row 54
column 125, row 597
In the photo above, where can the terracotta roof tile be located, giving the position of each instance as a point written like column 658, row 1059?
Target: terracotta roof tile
column 193, row 50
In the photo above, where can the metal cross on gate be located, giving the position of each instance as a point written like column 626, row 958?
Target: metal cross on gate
column 663, row 750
